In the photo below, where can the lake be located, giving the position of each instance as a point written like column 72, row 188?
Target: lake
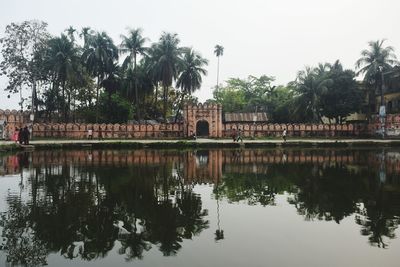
column 222, row 207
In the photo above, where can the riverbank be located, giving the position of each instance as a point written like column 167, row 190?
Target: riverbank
column 199, row 143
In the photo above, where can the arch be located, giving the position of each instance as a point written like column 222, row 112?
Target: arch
column 202, row 128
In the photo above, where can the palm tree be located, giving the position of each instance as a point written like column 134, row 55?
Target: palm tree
column 191, row 71
column 85, row 35
column 167, row 57
column 71, row 33
column 133, row 45
column 311, row 84
column 152, row 69
column 99, row 56
column 62, row 60
column 374, row 62
column 218, row 51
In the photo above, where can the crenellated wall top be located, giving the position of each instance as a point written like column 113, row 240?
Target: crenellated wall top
column 203, row 106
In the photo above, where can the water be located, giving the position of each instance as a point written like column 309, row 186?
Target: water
column 200, row 208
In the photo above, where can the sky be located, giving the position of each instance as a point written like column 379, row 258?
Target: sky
column 271, row 37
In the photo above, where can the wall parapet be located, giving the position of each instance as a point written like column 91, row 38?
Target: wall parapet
column 124, row 131
column 303, row 130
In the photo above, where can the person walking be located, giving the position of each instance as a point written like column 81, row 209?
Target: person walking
column 284, row 134
column 239, row 136
column 233, row 135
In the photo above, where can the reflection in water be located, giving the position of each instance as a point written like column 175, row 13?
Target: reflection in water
column 81, row 203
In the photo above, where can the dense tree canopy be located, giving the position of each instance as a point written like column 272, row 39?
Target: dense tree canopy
column 325, row 91
column 84, row 79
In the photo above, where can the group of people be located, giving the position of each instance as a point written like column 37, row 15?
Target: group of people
column 237, row 135
column 21, row 136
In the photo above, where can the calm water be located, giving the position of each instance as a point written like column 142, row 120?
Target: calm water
column 200, row 208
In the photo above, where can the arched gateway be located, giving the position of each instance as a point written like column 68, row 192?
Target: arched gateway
column 202, row 128
column 203, row 120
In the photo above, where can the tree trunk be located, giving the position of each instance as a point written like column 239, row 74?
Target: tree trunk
column 165, row 103
column 97, row 99
column 179, row 107
column 218, row 72
column 156, row 95
column 69, row 107
column 63, row 100
column 136, row 89
column 33, row 96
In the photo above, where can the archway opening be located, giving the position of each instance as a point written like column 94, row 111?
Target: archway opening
column 202, row 128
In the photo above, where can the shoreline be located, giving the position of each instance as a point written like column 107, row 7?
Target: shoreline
column 9, row 146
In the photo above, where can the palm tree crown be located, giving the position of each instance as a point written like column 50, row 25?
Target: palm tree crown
column 166, row 54
column 373, row 63
column 61, row 60
column 99, row 56
column 133, row 45
column 219, row 50
column 191, row 71
column 311, row 83
column 374, row 58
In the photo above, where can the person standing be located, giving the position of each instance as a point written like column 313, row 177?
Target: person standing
column 25, row 135
column 284, row 135
column 15, row 135
column 90, row 134
column 21, row 136
column 100, row 137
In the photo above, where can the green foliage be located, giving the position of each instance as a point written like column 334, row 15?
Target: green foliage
column 343, row 96
column 310, row 85
column 72, row 77
column 255, row 93
column 115, row 109
column 18, row 47
column 230, row 99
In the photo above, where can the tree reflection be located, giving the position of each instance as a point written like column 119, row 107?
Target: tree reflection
column 20, row 241
column 86, row 208
column 322, row 191
column 81, row 212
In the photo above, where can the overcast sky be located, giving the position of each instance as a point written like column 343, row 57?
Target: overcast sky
column 272, row 37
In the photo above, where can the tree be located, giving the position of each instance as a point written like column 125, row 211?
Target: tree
column 191, row 71
column 231, row 99
column 85, row 34
column 343, row 96
column 310, row 84
column 99, row 56
column 62, row 60
column 114, row 108
column 133, row 45
column 373, row 62
column 71, row 33
column 167, row 56
column 218, row 51
column 18, row 47
column 245, row 94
